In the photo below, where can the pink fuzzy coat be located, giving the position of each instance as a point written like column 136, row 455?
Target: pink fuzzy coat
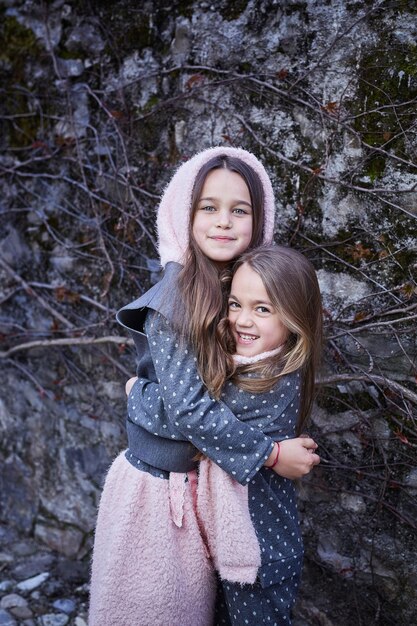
column 147, row 570
column 153, row 543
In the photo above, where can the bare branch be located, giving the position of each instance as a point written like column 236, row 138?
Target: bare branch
column 369, row 378
column 66, row 341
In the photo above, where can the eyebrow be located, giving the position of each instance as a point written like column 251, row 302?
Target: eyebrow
column 234, row 202
column 255, row 302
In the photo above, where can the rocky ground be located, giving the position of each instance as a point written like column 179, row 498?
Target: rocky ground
column 38, row 587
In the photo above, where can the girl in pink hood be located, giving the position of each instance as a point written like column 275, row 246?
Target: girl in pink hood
column 151, row 562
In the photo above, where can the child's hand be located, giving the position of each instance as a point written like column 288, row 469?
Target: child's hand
column 130, row 384
column 297, row 457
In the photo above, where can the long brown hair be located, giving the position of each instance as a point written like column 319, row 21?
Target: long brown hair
column 291, row 284
column 200, row 280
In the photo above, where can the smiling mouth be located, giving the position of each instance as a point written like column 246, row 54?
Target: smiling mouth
column 247, row 338
column 219, row 238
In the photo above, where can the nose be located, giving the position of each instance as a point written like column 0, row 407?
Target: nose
column 244, row 319
column 223, row 219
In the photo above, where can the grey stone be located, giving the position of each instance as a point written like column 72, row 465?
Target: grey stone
column 92, row 461
column 73, row 572
column 387, row 354
column 111, row 431
column 306, row 613
column 180, row 46
column 25, row 548
column 5, row 557
column 73, row 127
column 7, row 534
column 66, row 541
column 371, row 567
column 18, row 502
column 53, row 587
column 383, row 431
column 72, row 520
column 340, row 563
column 70, row 67
column 112, row 390
column 65, row 605
column 61, row 259
column 11, row 600
column 33, row 583
column 32, row 566
column 21, row 612
column 336, row 422
column 180, row 131
column 53, row 619
column 353, row 503
column 340, row 288
column 13, row 248
column 85, row 37
column 6, row 619
column 411, row 478
column 36, row 595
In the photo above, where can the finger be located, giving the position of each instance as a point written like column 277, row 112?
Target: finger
column 308, row 442
column 315, row 459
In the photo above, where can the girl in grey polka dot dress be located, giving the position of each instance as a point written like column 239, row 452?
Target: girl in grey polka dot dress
column 274, row 329
column 151, row 561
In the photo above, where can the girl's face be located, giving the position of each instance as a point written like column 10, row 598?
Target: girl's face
column 222, row 225
column 254, row 321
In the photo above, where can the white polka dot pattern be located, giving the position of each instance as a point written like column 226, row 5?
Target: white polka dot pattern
column 186, row 410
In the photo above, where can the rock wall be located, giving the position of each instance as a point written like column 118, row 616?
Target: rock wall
column 100, row 102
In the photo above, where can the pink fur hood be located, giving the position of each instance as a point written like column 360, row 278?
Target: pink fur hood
column 174, row 208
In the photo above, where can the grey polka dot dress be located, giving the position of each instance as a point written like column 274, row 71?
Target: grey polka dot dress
column 170, row 404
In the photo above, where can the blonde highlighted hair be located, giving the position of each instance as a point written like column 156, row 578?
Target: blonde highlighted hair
column 291, row 283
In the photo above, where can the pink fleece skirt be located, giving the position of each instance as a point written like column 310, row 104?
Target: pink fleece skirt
column 150, row 565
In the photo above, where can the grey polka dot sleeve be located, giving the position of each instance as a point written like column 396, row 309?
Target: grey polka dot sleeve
column 237, row 447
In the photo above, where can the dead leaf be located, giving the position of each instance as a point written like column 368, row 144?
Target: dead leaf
column 195, row 80
column 360, row 252
column 401, row 436
column 408, row 289
column 360, row 316
column 331, row 107
column 282, row 74
column 62, row 294
column 317, row 170
column 118, row 115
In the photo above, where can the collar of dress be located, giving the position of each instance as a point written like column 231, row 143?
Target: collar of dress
column 247, row 360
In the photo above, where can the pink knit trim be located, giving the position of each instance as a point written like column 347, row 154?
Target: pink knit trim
column 174, row 209
column 223, row 512
column 248, row 360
